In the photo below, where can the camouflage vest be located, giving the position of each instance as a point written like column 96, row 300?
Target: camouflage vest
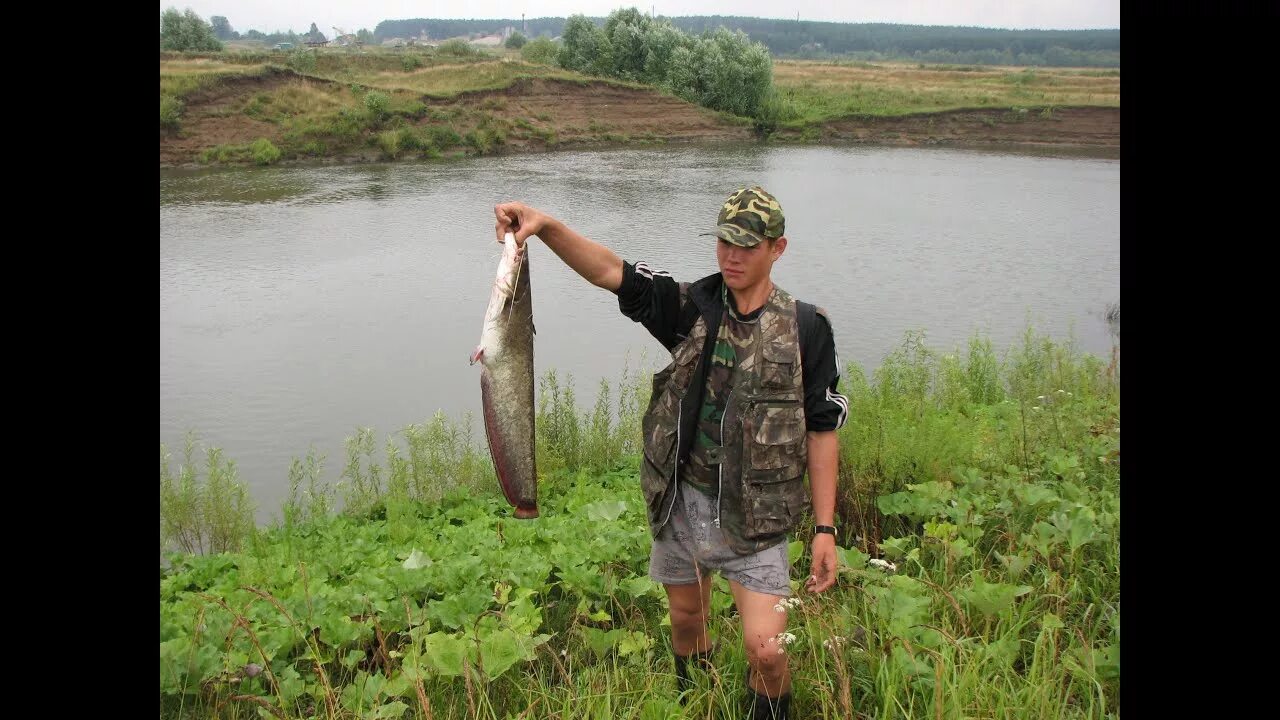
column 761, row 493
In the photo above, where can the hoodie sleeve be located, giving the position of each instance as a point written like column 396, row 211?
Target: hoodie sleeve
column 825, row 408
column 652, row 298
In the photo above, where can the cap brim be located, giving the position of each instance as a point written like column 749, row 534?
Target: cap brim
column 736, row 235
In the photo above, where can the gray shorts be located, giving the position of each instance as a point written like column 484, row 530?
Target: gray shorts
column 691, row 543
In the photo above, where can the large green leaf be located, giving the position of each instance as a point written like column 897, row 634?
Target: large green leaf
column 502, row 649
column 392, row 710
column 795, row 549
column 445, row 653
column 416, row 560
column 460, row 608
column 852, row 557
column 991, row 599
column 605, row 511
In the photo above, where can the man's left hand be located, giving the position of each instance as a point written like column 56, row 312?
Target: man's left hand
column 823, row 571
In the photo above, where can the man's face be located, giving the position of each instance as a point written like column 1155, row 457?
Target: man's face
column 745, row 267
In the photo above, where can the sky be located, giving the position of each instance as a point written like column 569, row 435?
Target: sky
column 351, row 15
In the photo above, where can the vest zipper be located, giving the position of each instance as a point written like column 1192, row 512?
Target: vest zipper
column 675, row 473
column 720, row 481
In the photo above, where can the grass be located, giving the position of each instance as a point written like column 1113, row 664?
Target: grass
column 319, row 99
column 448, row 80
column 813, row 92
column 180, row 78
column 985, row 486
column 347, row 103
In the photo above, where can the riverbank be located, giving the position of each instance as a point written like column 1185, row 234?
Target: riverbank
column 218, row 111
column 978, row 570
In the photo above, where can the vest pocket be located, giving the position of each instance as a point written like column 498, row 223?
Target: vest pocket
column 657, row 467
column 684, row 360
column 773, row 491
column 777, row 365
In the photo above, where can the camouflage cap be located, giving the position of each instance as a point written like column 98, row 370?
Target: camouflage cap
column 748, row 217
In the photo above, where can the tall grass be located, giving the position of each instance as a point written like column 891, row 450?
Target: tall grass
column 927, row 414
column 203, row 512
column 812, row 92
column 596, row 441
column 984, row 486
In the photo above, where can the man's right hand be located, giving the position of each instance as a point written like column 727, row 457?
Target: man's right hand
column 596, row 263
column 519, row 219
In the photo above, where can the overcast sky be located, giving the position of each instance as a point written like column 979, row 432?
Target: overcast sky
column 352, row 15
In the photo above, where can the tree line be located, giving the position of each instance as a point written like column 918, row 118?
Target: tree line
column 812, row 39
column 720, row 69
column 782, row 38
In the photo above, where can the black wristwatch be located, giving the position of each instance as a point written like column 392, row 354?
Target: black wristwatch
column 824, row 529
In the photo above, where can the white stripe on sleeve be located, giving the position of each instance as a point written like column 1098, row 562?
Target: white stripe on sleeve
column 643, row 269
column 843, row 402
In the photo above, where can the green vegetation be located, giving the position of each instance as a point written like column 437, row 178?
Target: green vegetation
column 542, row 51
column 877, row 42
column 170, row 111
column 812, row 92
column 260, row 152
column 301, row 92
column 720, row 70
column 459, row 48
column 186, row 31
column 979, row 572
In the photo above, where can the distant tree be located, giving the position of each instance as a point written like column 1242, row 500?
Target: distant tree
column 364, row 36
column 663, row 38
column 542, row 50
column 628, row 16
column 186, row 31
column 516, row 41
column 314, row 34
column 628, row 32
column 458, row 48
column 221, row 28
column 255, row 35
column 723, row 71
column 585, row 47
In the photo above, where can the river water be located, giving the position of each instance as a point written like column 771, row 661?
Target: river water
column 297, row 304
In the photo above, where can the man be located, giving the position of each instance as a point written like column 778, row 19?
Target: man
column 747, row 405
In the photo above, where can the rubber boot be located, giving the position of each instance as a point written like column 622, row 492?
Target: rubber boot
column 767, row 708
column 683, row 682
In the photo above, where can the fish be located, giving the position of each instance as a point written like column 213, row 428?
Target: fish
column 506, row 383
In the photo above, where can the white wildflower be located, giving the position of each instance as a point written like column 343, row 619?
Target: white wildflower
column 1040, row 397
column 786, row 603
column 1035, row 407
column 884, row 565
column 833, row 642
column 783, row 639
